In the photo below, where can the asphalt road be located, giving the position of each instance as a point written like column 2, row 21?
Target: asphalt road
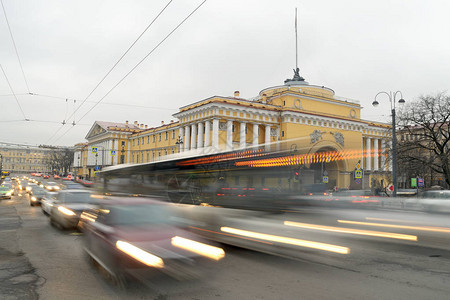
column 375, row 268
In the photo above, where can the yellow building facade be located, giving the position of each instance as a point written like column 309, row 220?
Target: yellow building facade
column 298, row 116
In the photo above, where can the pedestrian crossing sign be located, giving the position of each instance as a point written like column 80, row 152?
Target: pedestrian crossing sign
column 113, row 152
column 94, row 150
column 358, row 174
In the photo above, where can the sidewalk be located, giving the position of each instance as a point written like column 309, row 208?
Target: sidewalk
column 17, row 276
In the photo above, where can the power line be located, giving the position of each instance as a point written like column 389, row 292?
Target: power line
column 17, row 100
column 141, row 61
column 105, row 103
column 123, row 55
column 104, row 77
column 15, row 47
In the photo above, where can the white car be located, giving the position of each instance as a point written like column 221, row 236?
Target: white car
column 52, row 186
column 47, row 203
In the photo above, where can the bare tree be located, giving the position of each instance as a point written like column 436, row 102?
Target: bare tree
column 423, row 141
column 60, row 159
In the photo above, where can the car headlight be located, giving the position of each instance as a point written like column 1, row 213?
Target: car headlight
column 9, row 193
column 33, row 198
column 209, row 251
column 66, row 211
column 56, row 187
column 140, row 255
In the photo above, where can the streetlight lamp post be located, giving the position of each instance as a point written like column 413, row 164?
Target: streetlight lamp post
column 179, row 143
column 392, row 96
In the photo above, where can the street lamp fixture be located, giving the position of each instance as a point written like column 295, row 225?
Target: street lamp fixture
column 392, row 97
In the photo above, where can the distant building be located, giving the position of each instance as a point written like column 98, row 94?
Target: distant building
column 308, row 118
column 23, row 159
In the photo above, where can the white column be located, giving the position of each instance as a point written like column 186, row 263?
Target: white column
column 278, row 138
column 267, row 138
column 229, row 135
column 200, row 135
column 181, row 136
column 116, row 147
column 215, row 134
column 383, row 155
column 194, row 137
column 376, row 154
column 242, row 138
column 255, row 134
column 207, row 133
column 368, row 154
column 187, row 138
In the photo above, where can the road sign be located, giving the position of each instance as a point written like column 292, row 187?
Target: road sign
column 94, row 150
column 325, row 179
column 420, row 182
column 358, row 174
column 358, row 180
column 328, row 159
column 358, row 166
column 390, row 188
column 413, row 182
column 113, row 152
column 96, row 168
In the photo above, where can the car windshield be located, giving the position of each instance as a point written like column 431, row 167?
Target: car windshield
column 80, row 197
column 139, row 214
column 5, row 188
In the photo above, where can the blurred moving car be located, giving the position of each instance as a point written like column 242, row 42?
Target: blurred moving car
column 37, row 195
column 70, row 185
column 68, row 206
column 131, row 237
column 47, row 202
column 430, row 201
column 46, row 176
column 56, row 177
column 30, row 186
column 69, row 177
column 52, row 186
column 6, row 191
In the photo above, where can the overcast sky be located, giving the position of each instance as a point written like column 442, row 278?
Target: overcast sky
column 357, row 48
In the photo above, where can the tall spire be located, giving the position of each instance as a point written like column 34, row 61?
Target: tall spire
column 297, row 78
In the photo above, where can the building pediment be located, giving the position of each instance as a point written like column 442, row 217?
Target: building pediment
column 95, row 131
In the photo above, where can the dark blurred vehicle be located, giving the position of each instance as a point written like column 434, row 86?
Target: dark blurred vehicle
column 432, row 201
column 68, row 206
column 30, row 186
column 134, row 237
column 37, row 195
column 52, row 186
column 70, row 185
column 47, row 202
column 6, row 191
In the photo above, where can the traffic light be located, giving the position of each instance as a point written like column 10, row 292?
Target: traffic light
column 297, row 175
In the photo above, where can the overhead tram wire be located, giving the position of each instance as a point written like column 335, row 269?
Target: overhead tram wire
column 140, row 62
column 12, row 91
column 123, row 55
column 105, row 103
column 113, row 67
column 15, row 47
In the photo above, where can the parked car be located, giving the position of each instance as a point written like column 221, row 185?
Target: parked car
column 68, row 206
column 131, row 236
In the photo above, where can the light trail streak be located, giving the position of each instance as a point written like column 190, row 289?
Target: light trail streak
column 422, row 228
column 288, row 240
column 353, row 231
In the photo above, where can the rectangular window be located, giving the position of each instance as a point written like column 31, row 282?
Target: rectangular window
column 148, row 139
column 133, row 142
column 167, row 135
column 159, row 137
column 153, row 138
column 138, row 142
column 173, row 134
column 142, row 141
column 282, row 133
